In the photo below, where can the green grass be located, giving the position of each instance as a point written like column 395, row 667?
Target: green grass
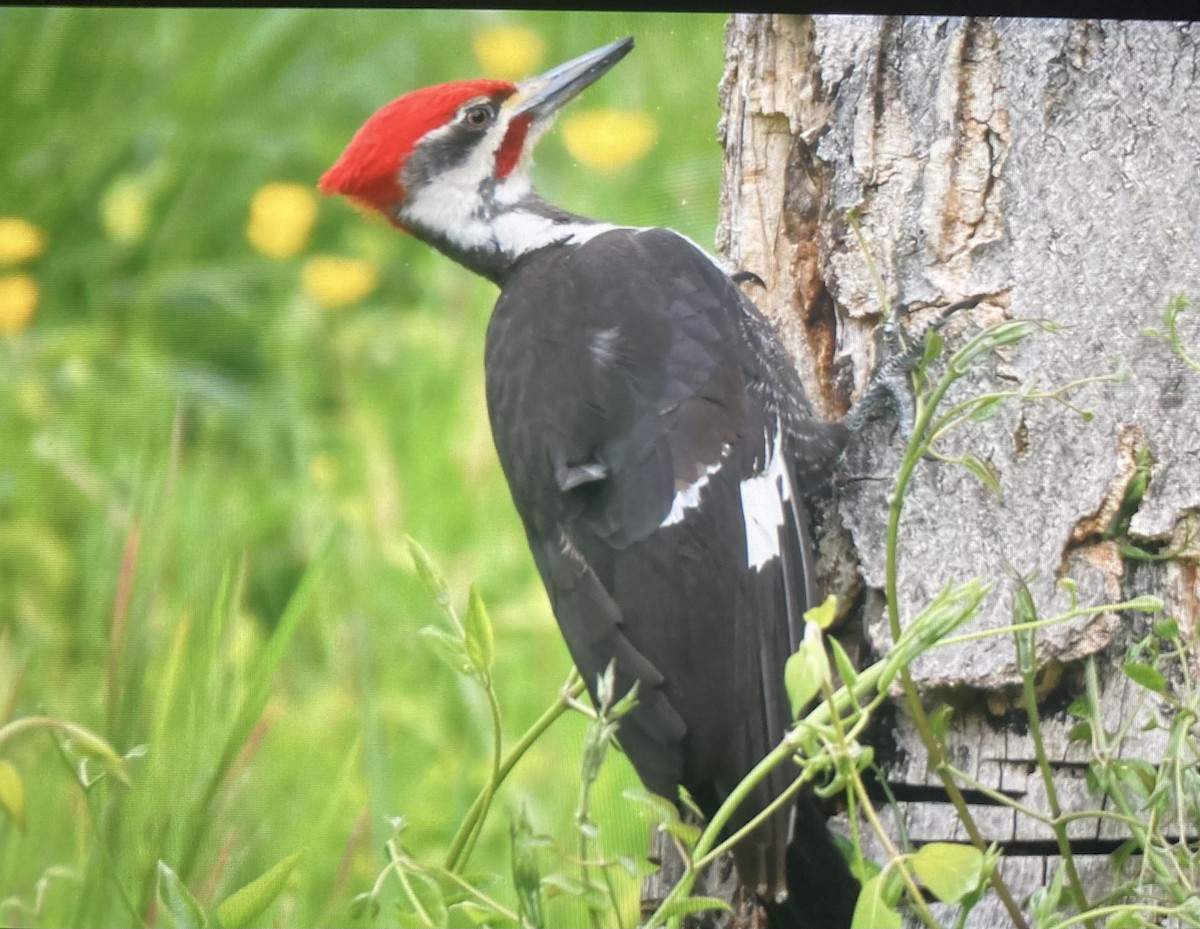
column 180, row 407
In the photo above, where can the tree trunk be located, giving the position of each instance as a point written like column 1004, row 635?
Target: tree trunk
column 1048, row 168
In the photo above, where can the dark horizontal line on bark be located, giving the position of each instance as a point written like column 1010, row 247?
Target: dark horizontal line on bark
column 932, row 793
column 1048, row 848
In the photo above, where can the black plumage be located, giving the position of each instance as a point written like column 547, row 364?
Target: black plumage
column 611, row 394
column 658, row 446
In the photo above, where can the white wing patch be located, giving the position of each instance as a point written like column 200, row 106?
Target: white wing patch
column 689, row 497
column 763, row 499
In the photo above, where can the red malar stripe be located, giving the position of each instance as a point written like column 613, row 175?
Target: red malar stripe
column 509, row 152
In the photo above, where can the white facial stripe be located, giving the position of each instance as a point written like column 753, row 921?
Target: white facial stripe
column 689, row 497
column 518, row 232
column 452, row 202
column 763, row 498
column 450, row 207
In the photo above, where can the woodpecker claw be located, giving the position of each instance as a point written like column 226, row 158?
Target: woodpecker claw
column 743, row 277
column 889, row 383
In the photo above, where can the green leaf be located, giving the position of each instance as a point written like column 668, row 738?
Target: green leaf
column 480, row 914
column 824, row 614
column 949, row 870
column 363, row 906
column 1146, row 675
column 933, row 346
column 622, row 707
column 1006, row 333
column 244, row 906
column 479, row 641
column 986, row 409
column 560, row 883
column 872, row 911
column 12, row 794
column 982, row 470
column 424, row 894
column 862, row 868
column 88, row 743
column 952, row 607
column 939, row 721
column 658, row 809
column 804, row 673
column 1044, row 901
column 662, row 814
column 431, row 578
column 177, row 900
column 685, row 906
column 449, row 648
column 1126, row 919
column 526, row 867
column 686, row 833
column 1137, row 774
column 845, row 667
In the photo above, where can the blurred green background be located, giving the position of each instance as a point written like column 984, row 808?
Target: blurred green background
column 189, row 394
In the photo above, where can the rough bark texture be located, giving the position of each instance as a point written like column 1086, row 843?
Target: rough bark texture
column 1051, row 168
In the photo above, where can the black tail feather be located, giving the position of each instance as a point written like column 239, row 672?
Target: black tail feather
column 821, row 890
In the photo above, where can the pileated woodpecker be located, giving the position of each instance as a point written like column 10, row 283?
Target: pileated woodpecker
column 658, row 446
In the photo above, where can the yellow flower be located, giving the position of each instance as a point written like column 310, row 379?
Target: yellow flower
column 338, row 282
column 124, row 209
column 508, row 52
column 20, row 240
column 608, row 140
column 18, row 301
column 281, row 219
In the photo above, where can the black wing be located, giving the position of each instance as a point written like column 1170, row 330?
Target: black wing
column 647, row 428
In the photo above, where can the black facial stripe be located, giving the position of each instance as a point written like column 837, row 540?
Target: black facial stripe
column 447, row 150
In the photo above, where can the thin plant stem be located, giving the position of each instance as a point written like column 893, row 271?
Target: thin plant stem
column 581, row 822
column 843, row 698
column 402, row 877
column 480, row 895
column 1139, row 604
column 493, row 782
column 1140, row 909
column 910, row 884
column 571, row 690
column 918, row 445
column 1027, row 663
column 87, row 740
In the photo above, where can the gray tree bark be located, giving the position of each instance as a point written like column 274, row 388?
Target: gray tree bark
column 1049, row 168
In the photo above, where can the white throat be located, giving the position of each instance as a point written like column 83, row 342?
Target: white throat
column 454, row 209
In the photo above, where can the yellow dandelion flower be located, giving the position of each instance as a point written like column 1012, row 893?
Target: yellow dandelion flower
column 124, row 209
column 18, row 301
column 281, row 219
column 608, row 140
column 508, row 52
column 338, row 282
column 20, row 240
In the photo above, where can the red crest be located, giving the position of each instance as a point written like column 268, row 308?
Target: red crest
column 368, row 170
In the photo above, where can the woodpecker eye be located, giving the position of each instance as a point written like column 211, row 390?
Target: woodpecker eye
column 478, row 116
